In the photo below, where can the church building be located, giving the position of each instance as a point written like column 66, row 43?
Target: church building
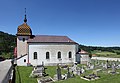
column 37, row 49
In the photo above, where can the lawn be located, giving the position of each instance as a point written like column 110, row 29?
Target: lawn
column 22, row 76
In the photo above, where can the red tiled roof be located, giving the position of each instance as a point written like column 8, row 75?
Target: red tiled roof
column 83, row 52
column 50, row 39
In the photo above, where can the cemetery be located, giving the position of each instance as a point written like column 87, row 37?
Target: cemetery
column 95, row 72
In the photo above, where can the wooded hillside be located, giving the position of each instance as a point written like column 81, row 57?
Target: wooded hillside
column 7, row 43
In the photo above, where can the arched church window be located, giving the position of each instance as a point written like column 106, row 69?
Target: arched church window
column 59, row 55
column 70, row 54
column 35, row 55
column 23, row 39
column 24, row 60
column 47, row 55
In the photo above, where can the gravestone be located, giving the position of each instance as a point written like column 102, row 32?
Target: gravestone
column 96, row 62
column 113, row 68
column 89, row 64
column 68, row 73
column 72, row 75
column 102, row 64
column 105, row 65
column 82, row 70
column 78, row 71
column 74, row 67
column 90, row 77
column 39, row 71
column 45, row 80
column 117, row 63
column 92, row 67
column 59, row 77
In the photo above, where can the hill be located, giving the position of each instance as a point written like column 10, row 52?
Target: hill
column 102, row 51
column 92, row 48
column 7, row 43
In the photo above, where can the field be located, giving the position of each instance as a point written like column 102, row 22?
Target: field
column 22, row 76
column 106, row 54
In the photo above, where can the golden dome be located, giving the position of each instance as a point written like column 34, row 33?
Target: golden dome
column 24, row 29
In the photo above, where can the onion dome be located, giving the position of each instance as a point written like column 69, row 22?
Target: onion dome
column 24, row 29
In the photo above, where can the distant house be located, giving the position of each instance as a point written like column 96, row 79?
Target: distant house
column 84, row 57
column 36, row 49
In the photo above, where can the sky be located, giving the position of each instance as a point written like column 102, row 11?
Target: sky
column 88, row 22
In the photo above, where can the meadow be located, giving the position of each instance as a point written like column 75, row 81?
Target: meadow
column 106, row 54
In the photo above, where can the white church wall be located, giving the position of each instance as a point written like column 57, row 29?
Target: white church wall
column 22, row 61
column 53, row 49
column 22, row 47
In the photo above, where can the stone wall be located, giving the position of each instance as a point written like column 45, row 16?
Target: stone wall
column 5, row 71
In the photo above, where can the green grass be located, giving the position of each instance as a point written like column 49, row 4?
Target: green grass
column 22, row 76
column 50, row 70
column 105, row 54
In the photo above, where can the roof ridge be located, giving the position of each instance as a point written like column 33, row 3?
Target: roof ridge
column 51, row 38
column 52, row 35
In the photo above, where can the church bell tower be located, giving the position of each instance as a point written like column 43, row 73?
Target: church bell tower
column 24, row 32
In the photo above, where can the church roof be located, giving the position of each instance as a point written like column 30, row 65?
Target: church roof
column 50, row 39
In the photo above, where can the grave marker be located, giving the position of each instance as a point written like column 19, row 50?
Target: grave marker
column 59, row 77
column 68, row 73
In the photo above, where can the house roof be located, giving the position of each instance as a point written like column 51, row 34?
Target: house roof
column 83, row 52
column 50, row 39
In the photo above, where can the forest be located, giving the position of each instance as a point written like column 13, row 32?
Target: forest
column 7, row 44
